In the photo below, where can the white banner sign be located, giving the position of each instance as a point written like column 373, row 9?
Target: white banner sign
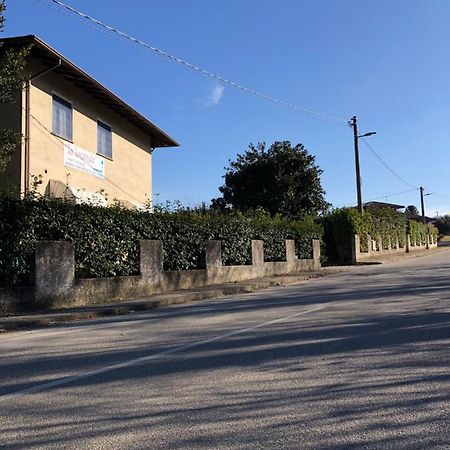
column 83, row 160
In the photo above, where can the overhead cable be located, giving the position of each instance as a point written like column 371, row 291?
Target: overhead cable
column 398, row 176
column 393, row 194
column 193, row 66
column 387, row 166
column 439, row 195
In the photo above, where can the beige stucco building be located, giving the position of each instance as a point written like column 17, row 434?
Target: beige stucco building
column 79, row 139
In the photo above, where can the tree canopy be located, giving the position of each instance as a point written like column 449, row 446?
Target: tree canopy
column 443, row 224
column 12, row 67
column 411, row 211
column 282, row 179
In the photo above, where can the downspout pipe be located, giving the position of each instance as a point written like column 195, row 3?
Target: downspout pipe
column 28, row 121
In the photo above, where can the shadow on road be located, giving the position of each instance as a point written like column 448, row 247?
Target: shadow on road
column 383, row 374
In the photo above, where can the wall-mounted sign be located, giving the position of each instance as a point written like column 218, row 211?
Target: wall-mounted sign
column 83, row 160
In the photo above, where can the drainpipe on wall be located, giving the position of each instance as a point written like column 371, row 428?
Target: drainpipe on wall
column 26, row 163
column 27, row 124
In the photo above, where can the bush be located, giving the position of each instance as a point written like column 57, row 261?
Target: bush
column 343, row 223
column 443, row 225
column 107, row 239
column 419, row 232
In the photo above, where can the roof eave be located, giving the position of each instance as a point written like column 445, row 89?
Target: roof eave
column 160, row 139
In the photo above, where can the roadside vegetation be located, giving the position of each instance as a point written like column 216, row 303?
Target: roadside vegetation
column 342, row 224
column 443, row 225
column 107, row 239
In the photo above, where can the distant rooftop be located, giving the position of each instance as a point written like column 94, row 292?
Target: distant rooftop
column 73, row 73
column 382, row 205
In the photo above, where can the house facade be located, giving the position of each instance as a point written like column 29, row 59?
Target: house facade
column 80, row 141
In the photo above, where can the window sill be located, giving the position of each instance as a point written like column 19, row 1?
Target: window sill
column 61, row 137
column 104, row 156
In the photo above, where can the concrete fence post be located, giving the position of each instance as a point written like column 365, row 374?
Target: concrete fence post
column 213, row 256
column 257, row 253
column 316, row 253
column 369, row 244
column 408, row 243
column 290, row 250
column 356, row 248
column 380, row 244
column 151, row 261
column 54, row 272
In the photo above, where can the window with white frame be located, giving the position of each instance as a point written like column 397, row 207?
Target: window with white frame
column 62, row 118
column 104, row 140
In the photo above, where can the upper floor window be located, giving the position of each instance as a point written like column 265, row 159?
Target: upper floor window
column 104, row 140
column 62, row 118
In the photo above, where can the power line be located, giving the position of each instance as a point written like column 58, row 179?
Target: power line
column 387, row 166
column 410, row 190
column 439, row 195
column 398, row 176
column 393, row 194
column 193, row 66
column 97, row 24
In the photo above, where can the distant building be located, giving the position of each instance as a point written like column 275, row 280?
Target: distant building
column 416, row 217
column 80, row 140
column 419, row 218
column 369, row 205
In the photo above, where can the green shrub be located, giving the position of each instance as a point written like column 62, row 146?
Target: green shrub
column 443, row 225
column 343, row 223
column 106, row 240
column 419, row 232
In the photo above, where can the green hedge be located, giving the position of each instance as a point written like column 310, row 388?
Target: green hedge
column 443, row 225
column 107, row 239
column 343, row 223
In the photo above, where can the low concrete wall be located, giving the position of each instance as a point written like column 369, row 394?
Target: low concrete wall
column 376, row 250
column 56, row 286
column 16, row 300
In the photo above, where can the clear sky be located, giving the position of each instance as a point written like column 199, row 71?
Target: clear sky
column 386, row 61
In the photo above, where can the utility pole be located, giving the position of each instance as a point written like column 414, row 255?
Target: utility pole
column 354, row 124
column 422, row 204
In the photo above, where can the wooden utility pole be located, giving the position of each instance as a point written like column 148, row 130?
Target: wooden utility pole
column 422, row 204
column 354, row 124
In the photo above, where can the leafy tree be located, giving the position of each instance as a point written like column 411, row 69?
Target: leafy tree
column 411, row 211
column 282, row 179
column 12, row 67
column 443, row 225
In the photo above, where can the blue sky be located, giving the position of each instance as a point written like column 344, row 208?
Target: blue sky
column 388, row 62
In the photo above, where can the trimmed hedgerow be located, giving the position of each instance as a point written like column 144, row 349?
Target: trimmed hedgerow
column 107, row 239
column 419, row 232
column 343, row 223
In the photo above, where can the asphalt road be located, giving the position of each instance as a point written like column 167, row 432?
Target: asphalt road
column 359, row 360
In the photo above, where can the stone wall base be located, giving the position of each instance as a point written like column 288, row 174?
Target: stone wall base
column 377, row 252
column 56, row 286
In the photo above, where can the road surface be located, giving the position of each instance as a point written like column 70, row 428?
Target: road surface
column 354, row 360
